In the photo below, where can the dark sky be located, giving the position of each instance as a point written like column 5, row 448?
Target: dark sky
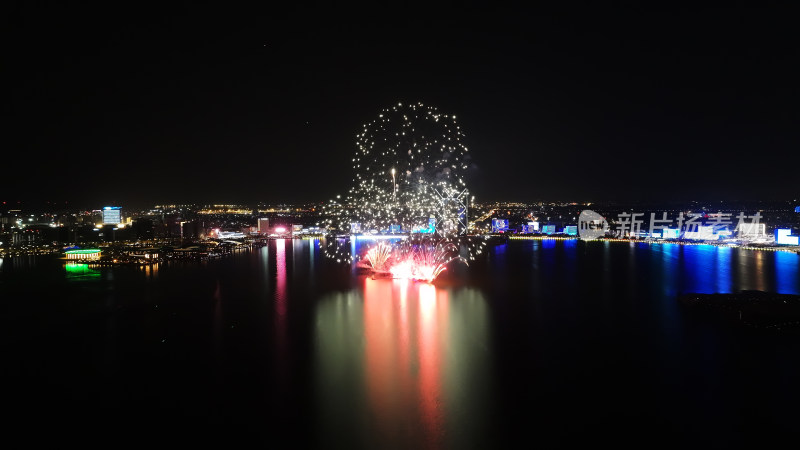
column 131, row 104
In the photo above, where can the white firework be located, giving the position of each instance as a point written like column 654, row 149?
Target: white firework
column 406, row 160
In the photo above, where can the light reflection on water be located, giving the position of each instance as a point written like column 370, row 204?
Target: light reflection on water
column 76, row 271
column 281, row 305
column 550, row 327
column 710, row 269
column 787, row 272
column 406, row 359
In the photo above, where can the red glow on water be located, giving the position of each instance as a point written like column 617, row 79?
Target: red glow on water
column 280, row 282
column 432, row 337
column 415, row 271
column 281, row 298
column 383, row 365
column 405, row 331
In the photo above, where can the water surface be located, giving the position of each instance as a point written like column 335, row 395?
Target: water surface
column 551, row 343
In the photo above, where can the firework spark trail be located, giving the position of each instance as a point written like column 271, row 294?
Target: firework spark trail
column 378, row 256
column 424, row 260
column 402, row 158
column 405, row 159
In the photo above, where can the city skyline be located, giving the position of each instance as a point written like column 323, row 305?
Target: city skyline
column 204, row 105
column 400, row 225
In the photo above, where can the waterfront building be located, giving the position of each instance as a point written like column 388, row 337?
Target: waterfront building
column 90, row 254
column 670, row 233
column 703, row 233
column 783, row 236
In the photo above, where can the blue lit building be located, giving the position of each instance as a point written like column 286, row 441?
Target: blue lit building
column 499, row 225
column 429, row 228
column 112, row 215
column 670, row 233
column 784, row 236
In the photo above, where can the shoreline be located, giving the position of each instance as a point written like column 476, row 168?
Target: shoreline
column 789, row 249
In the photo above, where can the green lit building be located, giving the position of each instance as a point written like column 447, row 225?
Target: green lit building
column 91, row 254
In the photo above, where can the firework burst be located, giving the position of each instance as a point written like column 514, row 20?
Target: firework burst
column 378, row 256
column 409, row 178
column 424, row 259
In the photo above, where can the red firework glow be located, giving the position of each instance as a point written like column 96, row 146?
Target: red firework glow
column 412, row 259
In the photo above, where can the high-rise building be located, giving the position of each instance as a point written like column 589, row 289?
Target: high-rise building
column 143, row 228
column 112, row 215
column 263, row 225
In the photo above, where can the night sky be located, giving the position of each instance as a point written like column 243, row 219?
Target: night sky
column 137, row 105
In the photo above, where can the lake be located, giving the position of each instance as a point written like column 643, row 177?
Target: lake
column 548, row 343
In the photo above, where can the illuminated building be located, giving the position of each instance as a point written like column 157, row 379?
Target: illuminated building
column 784, row 236
column 226, row 209
column 428, row 229
column 112, row 215
column 230, row 235
column 751, row 230
column 91, row 254
column 549, row 229
column 499, row 225
column 703, row 233
column 670, row 233
column 571, row 230
column 312, row 230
